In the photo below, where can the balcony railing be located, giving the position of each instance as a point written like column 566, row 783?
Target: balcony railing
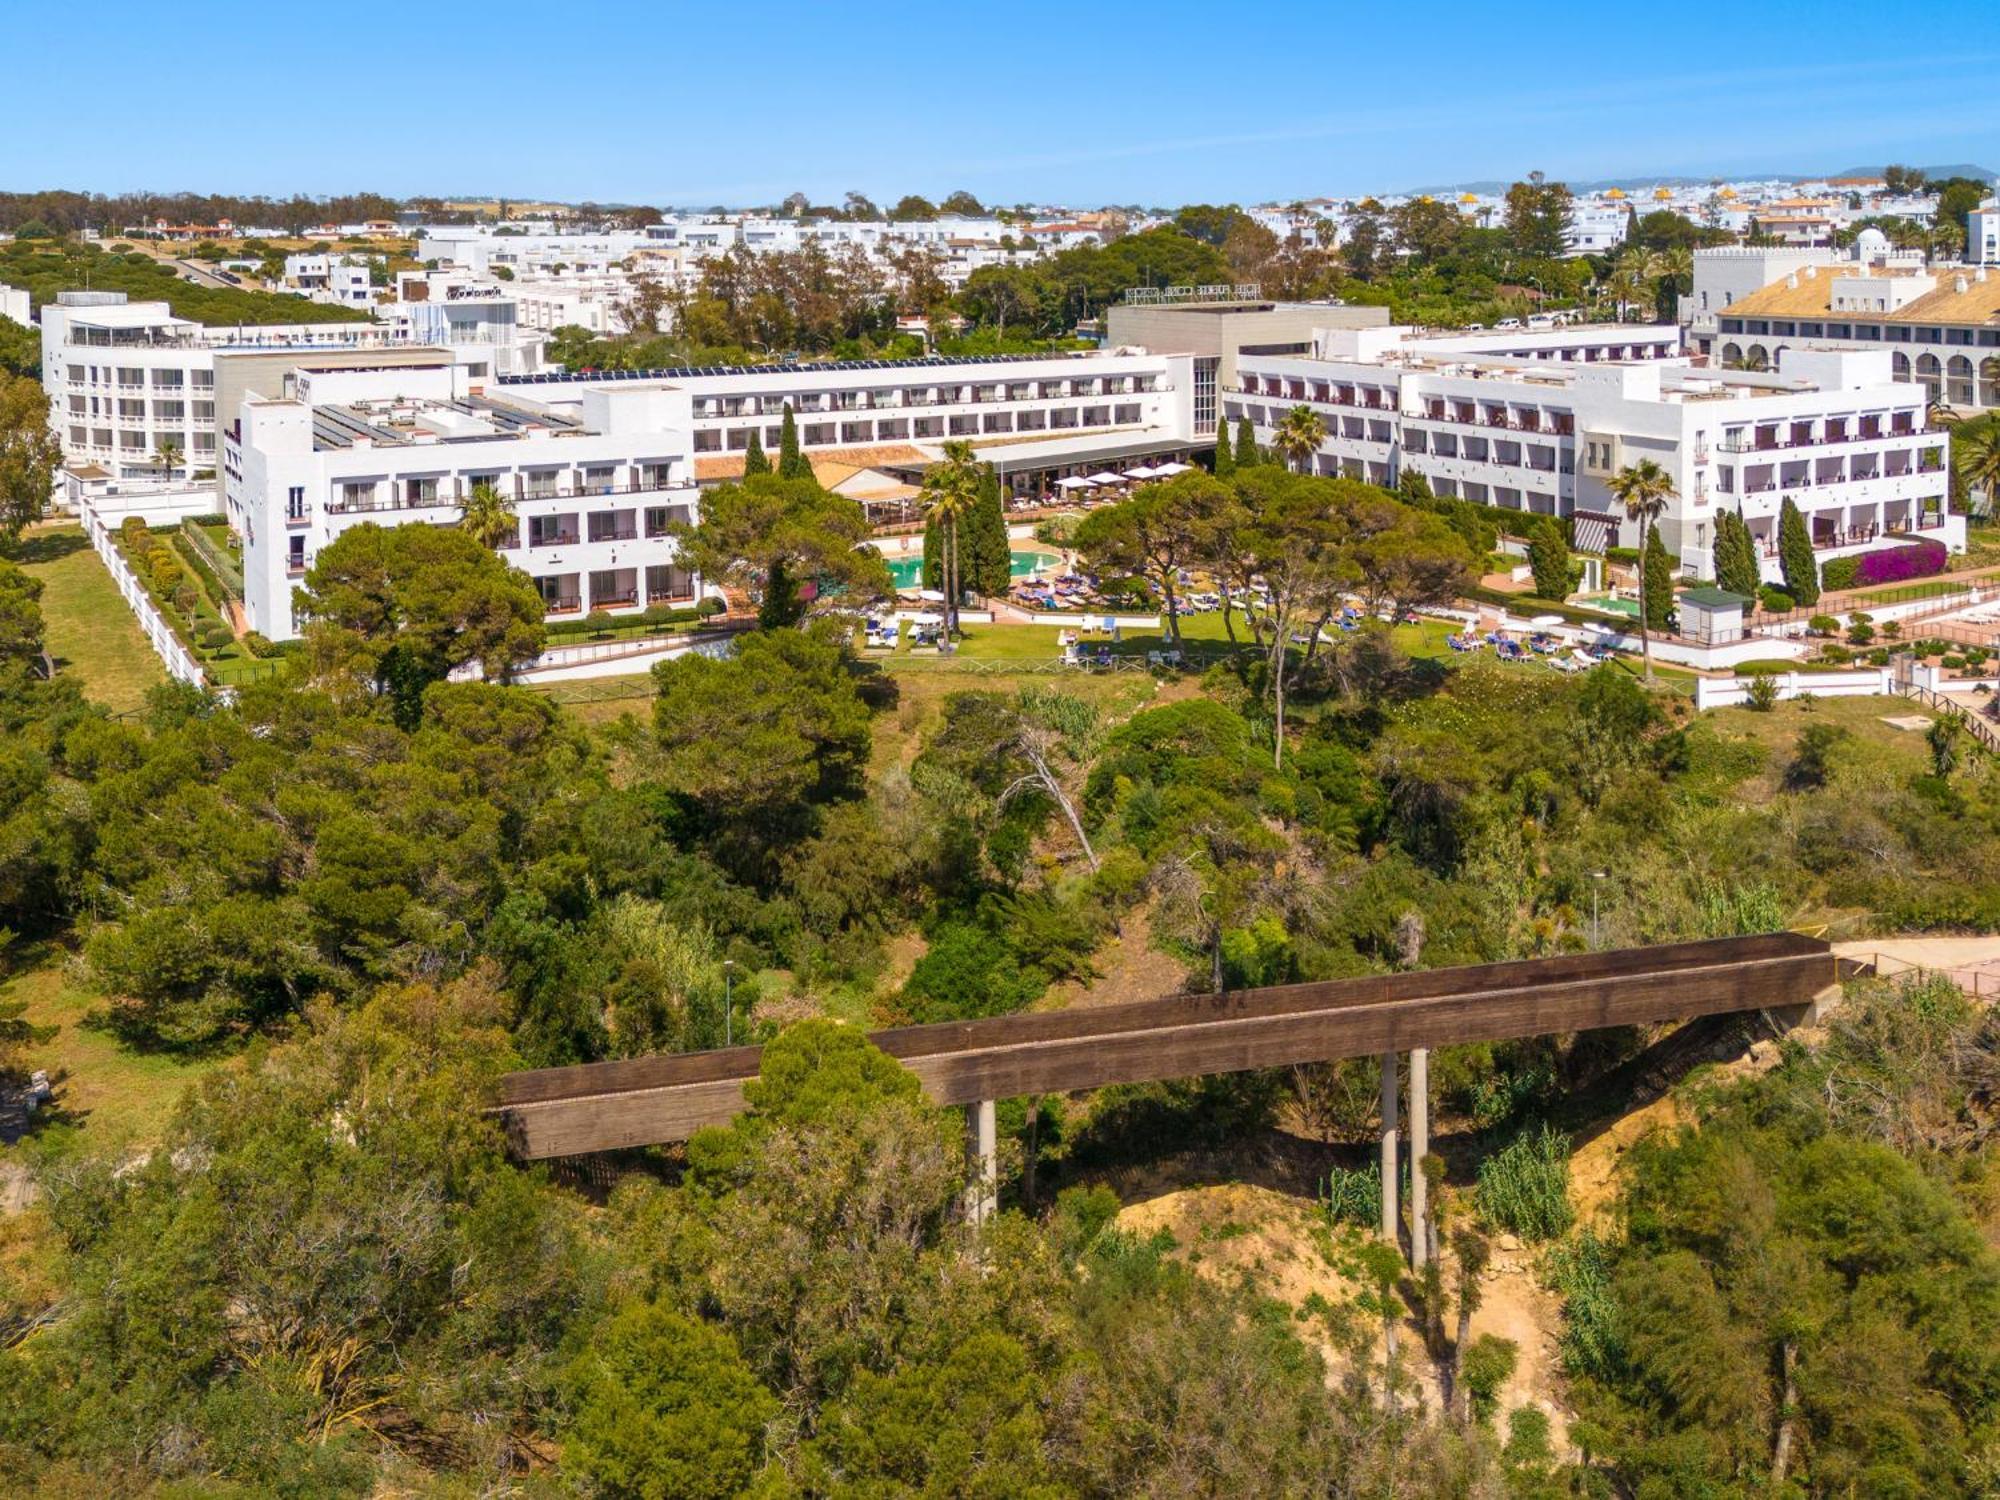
column 614, row 600
column 1782, row 444
column 668, row 596
column 561, row 604
column 629, row 534
column 562, row 539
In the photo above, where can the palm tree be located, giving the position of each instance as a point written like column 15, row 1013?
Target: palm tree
column 950, row 490
column 1643, row 489
column 488, row 517
column 1299, row 435
column 167, row 454
column 1975, row 454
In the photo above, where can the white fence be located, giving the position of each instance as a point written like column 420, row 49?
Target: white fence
column 1721, row 692
column 180, row 661
column 1097, row 619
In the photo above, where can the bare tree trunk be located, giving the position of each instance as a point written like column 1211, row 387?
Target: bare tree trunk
column 1069, row 810
column 1278, row 689
column 1173, row 607
column 1781, row 1457
column 951, row 584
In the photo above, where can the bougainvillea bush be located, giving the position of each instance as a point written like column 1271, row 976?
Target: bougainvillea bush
column 1899, row 564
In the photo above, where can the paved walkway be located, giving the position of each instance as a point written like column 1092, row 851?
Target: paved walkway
column 1973, row 961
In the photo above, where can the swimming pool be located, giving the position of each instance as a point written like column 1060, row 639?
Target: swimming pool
column 908, row 571
column 1611, row 605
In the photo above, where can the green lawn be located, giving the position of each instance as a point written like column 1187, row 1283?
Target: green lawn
column 1037, row 643
column 91, row 631
column 1907, row 593
column 109, row 1089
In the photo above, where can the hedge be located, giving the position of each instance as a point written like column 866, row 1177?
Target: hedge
column 218, row 591
column 653, row 616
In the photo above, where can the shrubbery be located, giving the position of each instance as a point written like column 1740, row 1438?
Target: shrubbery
column 1886, row 565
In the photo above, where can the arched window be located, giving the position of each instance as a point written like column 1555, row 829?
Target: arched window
column 1989, row 380
column 1732, row 355
column 1899, row 366
column 1930, row 375
column 1756, row 357
column 1958, row 381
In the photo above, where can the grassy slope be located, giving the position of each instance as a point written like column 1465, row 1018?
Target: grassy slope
column 91, row 632
column 110, row 1090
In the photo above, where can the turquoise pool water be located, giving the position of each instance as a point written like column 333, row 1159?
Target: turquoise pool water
column 1611, row 606
column 908, row 571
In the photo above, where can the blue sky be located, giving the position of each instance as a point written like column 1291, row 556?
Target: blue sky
column 1082, row 102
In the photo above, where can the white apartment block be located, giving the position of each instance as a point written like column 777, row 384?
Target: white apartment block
column 1940, row 328
column 897, row 412
column 1540, row 423
column 1982, row 234
column 594, row 491
column 16, row 304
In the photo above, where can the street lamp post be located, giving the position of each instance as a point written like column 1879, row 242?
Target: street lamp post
column 1596, row 884
column 728, row 1002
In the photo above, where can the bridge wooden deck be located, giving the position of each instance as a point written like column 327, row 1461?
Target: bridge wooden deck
column 650, row 1100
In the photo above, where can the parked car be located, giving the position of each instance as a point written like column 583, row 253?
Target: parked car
column 1508, row 323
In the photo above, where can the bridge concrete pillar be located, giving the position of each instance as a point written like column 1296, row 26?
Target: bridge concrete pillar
column 982, row 1194
column 1391, row 1220
column 1420, row 1147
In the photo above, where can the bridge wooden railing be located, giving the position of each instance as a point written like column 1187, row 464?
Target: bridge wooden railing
column 556, row 1112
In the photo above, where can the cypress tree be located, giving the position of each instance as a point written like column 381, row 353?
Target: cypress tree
column 1247, row 455
column 1795, row 556
column 1548, row 555
column 1736, row 556
column 988, row 563
column 1659, row 580
column 791, row 462
column 933, row 554
column 1225, row 456
column 754, row 461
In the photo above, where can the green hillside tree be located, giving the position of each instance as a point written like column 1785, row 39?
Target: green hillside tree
column 1795, row 556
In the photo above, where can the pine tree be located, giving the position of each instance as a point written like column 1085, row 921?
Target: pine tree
column 754, row 461
column 1225, row 456
column 1247, row 455
column 1659, row 580
column 1548, row 555
column 1795, row 556
column 792, row 463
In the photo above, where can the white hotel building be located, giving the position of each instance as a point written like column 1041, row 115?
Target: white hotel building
column 1034, row 416
column 127, row 379
column 1539, row 423
column 594, row 490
